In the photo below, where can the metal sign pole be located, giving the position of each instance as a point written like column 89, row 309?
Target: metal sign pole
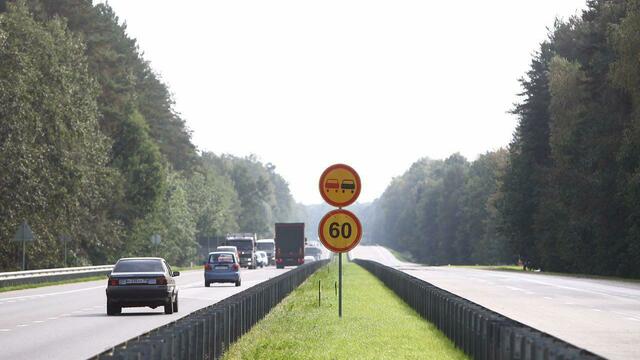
column 339, row 284
column 23, row 255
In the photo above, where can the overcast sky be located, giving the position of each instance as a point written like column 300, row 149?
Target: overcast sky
column 373, row 84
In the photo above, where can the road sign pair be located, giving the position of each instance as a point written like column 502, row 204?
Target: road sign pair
column 340, row 230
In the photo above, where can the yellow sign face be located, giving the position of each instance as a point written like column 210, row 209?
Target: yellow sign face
column 340, row 185
column 340, row 230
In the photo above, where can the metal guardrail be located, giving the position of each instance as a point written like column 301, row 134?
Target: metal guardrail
column 481, row 333
column 207, row 333
column 14, row 278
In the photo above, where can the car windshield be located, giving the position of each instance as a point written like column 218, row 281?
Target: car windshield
column 265, row 246
column 241, row 244
column 221, row 258
column 150, row 265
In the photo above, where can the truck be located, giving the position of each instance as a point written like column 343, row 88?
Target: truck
column 268, row 246
column 289, row 244
column 246, row 244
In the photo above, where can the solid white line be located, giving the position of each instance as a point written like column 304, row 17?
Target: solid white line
column 53, row 318
column 594, row 309
column 23, row 325
column 37, row 321
column 5, row 330
column 53, row 294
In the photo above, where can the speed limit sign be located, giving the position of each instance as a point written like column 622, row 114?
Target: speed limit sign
column 340, row 230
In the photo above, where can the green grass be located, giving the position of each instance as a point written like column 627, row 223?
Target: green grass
column 376, row 324
column 186, row 268
column 62, row 282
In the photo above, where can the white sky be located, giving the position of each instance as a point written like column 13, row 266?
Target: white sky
column 373, row 84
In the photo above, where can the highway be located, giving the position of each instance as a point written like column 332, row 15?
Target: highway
column 70, row 321
column 602, row 316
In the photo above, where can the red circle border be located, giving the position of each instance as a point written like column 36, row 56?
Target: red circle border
column 358, row 183
column 324, row 220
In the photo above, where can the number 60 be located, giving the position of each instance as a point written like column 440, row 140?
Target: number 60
column 335, row 230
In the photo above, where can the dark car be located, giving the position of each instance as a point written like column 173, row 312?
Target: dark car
column 137, row 282
column 222, row 266
column 348, row 185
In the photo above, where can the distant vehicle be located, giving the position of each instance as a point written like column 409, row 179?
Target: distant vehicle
column 313, row 251
column 309, row 258
column 289, row 244
column 246, row 244
column 222, row 267
column 348, row 185
column 331, row 184
column 229, row 248
column 268, row 246
column 261, row 259
column 138, row 282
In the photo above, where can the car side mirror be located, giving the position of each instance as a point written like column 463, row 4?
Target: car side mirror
column 176, row 273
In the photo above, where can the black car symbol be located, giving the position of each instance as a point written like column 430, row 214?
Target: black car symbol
column 348, row 185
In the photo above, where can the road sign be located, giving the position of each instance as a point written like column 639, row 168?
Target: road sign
column 340, row 185
column 340, row 230
column 24, row 233
column 155, row 239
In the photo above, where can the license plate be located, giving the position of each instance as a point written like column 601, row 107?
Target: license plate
column 137, row 281
column 221, row 267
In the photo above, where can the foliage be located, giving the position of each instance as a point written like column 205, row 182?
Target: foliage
column 91, row 148
column 565, row 195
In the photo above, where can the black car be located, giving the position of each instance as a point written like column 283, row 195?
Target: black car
column 136, row 282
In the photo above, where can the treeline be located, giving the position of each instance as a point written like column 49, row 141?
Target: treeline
column 567, row 198
column 92, row 149
column 443, row 211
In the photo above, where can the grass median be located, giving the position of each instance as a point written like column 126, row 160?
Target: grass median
column 376, row 324
column 52, row 283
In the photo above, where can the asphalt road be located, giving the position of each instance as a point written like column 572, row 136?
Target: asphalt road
column 70, row 321
column 602, row 316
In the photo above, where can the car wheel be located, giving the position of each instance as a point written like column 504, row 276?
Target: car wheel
column 207, row 284
column 113, row 309
column 238, row 283
column 168, row 308
column 175, row 305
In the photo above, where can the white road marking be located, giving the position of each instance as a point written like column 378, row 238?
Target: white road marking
column 12, row 299
column 5, row 330
column 23, row 325
column 569, row 303
column 37, row 321
column 548, row 298
column 53, row 318
column 514, row 288
column 632, row 319
column 594, row 309
column 65, row 314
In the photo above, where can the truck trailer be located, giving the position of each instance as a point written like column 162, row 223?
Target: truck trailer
column 289, row 244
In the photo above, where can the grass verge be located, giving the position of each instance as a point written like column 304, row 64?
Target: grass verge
column 376, row 324
column 62, row 282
